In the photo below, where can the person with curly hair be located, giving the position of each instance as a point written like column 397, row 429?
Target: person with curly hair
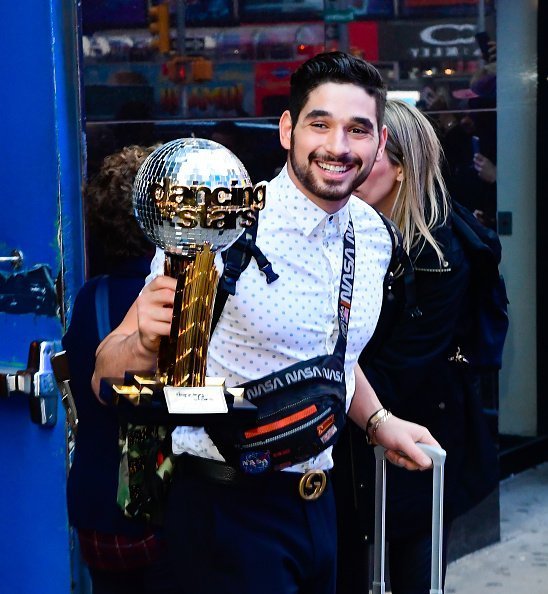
column 122, row 555
column 114, row 235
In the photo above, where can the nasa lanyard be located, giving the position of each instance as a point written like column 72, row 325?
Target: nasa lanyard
column 345, row 290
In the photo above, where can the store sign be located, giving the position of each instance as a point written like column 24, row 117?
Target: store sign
column 272, row 86
column 427, row 3
column 194, row 44
column 338, row 15
column 364, row 39
column 448, row 34
column 435, row 40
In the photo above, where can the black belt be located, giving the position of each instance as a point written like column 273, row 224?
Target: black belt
column 309, row 485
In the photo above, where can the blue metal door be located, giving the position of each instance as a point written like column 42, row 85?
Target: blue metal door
column 40, row 267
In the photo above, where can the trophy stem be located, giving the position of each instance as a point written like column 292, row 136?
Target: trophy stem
column 183, row 361
column 175, row 266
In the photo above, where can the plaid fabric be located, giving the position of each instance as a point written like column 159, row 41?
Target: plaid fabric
column 116, row 552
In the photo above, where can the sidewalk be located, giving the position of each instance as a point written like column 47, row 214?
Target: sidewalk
column 519, row 563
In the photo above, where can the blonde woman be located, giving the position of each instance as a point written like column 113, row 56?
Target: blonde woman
column 417, row 370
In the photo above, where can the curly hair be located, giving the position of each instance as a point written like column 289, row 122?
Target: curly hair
column 109, row 206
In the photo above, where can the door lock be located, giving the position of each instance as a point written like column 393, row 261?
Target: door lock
column 37, row 382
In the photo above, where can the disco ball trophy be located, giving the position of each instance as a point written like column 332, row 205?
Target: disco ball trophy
column 193, row 198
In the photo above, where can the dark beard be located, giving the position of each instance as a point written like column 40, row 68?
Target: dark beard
column 329, row 190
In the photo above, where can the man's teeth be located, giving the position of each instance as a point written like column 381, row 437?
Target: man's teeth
column 333, row 168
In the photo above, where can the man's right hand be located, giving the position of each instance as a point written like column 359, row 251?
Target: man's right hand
column 134, row 344
column 154, row 311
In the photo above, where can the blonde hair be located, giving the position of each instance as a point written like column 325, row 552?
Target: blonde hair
column 422, row 203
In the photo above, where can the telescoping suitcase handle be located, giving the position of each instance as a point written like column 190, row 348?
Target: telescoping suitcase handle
column 438, row 459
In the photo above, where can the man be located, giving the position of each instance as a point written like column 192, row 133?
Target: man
column 251, row 535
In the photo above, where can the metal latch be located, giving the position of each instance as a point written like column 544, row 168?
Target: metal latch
column 59, row 363
column 43, row 399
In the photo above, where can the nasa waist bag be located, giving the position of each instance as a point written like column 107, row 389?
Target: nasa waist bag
column 301, row 408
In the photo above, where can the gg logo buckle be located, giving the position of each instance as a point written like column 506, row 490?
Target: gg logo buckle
column 312, row 484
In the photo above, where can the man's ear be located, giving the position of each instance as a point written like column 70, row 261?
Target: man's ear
column 285, row 130
column 382, row 143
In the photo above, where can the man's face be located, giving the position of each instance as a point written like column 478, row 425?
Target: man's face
column 334, row 143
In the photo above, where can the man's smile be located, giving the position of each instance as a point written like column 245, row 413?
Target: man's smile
column 330, row 167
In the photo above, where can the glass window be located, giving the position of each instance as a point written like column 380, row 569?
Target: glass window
column 214, row 60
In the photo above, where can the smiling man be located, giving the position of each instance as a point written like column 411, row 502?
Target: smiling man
column 333, row 142
column 239, row 533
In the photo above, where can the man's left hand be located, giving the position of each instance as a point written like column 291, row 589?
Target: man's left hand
column 400, row 437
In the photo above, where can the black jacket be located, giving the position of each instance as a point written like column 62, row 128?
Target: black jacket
column 93, row 478
column 414, row 378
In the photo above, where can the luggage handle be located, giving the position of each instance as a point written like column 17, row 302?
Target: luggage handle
column 437, row 455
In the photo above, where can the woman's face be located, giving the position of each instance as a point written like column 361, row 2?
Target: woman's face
column 381, row 186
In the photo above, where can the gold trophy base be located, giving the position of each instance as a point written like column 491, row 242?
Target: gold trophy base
column 140, row 397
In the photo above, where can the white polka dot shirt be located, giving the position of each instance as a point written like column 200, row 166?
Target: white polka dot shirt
column 265, row 328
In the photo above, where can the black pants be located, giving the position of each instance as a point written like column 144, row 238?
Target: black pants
column 259, row 537
column 153, row 579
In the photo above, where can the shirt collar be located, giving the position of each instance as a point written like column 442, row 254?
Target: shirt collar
column 310, row 216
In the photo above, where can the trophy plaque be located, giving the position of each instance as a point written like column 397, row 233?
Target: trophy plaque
column 192, row 198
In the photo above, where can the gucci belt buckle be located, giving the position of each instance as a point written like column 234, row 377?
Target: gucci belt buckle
column 312, row 484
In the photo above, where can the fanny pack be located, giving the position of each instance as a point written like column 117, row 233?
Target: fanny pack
column 300, row 413
column 300, row 409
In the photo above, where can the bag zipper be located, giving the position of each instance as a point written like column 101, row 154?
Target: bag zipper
column 281, row 423
column 432, row 269
column 286, row 407
column 255, row 444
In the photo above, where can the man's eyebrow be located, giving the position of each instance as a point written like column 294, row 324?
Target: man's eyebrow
column 322, row 113
column 365, row 122
column 317, row 113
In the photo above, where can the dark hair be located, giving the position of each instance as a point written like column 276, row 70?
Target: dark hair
column 337, row 67
column 109, row 204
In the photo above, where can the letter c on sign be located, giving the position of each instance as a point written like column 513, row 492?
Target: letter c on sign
column 430, row 34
